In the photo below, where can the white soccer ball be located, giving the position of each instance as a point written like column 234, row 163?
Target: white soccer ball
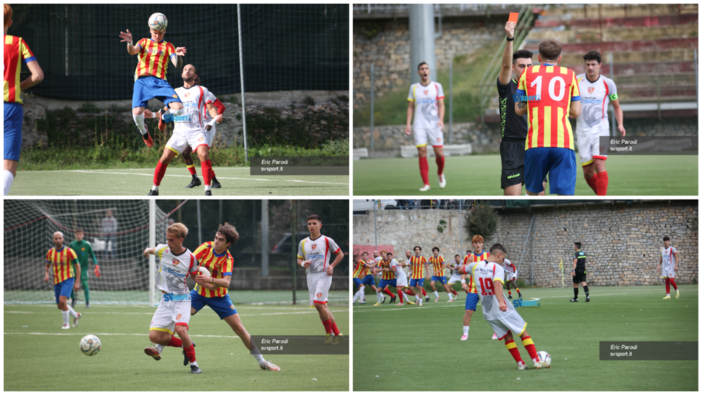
column 158, row 22
column 203, row 271
column 90, row 345
column 544, row 357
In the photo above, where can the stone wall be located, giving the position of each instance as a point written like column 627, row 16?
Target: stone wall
column 621, row 240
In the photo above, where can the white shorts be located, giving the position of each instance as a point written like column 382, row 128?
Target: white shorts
column 318, row 284
column 455, row 278
column 510, row 276
column 668, row 271
column 434, row 136
column 401, row 281
column 589, row 145
column 171, row 313
column 210, row 135
column 179, row 141
column 511, row 322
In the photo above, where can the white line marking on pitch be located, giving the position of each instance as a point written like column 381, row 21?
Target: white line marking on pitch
column 106, row 334
column 221, row 178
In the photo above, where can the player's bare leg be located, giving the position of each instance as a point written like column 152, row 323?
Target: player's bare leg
column 513, row 190
column 138, row 115
column 203, row 152
column 439, row 155
column 466, row 323
column 234, row 322
column 423, row 167
column 433, row 289
column 408, row 292
column 174, row 108
column 448, row 291
column 166, row 158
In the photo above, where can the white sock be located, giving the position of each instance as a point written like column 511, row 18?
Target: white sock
column 416, row 298
column 139, row 120
column 259, row 357
column 363, row 293
column 208, row 187
column 668, row 294
column 72, row 312
column 380, row 298
column 175, row 112
column 194, row 363
column 357, row 296
column 450, row 296
column 154, row 188
column 65, row 317
column 466, row 329
column 7, row 179
column 159, row 347
column 436, row 293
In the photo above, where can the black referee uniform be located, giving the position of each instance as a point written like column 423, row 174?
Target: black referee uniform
column 580, row 275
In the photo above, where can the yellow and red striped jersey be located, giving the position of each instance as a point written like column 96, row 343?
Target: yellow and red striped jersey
column 470, row 258
column 16, row 52
column 361, row 270
column 385, row 264
column 549, row 90
column 438, row 262
column 153, row 58
column 417, row 263
column 61, row 260
column 218, row 265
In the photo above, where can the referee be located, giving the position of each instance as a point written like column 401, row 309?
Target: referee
column 579, row 273
column 513, row 127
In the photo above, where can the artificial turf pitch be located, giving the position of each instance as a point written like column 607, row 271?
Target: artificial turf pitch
column 479, row 175
column 410, row 348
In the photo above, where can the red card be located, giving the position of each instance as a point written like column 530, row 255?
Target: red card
column 513, row 17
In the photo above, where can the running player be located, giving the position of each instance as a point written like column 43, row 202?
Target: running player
column 362, row 278
column 314, row 254
column 579, row 273
column 16, row 52
column 439, row 266
column 83, row 250
column 455, row 277
column 511, row 277
column 66, row 269
column 549, row 94
column 596, row 91
column 428, row 99
column 189, row 131
column 417, row 279
column 387, row 277
column 150, row 77
column 503, row 318
column 469, row 287
column 176, row 263
column 669, row 262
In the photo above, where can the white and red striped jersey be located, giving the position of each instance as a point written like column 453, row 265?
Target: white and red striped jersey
column 595, row 97
column 174, row 269
column 509, row 267
column 484, row 275
column 426, row 104
column 318, row 252
column 192, row 120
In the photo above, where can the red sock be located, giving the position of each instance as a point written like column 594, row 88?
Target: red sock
column 387, row 291
column 672, row 282
column 327, row 326
column 190, row 353
column 509, row 292
column 408, row 292
column 191, row 169
column 440, row 163
column 512, row 348
column 530, row 347
column 667, row 286
column 424, row 292
column 399, row 293
column 159, row 172
column 602, row 181
column 424, row 170
column 212, row 174
column 335, row 329
column 175, row 342
column 206, row 171
column 453, row 291
column 592, row 182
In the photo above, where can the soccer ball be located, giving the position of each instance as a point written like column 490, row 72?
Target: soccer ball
column 545, row 358
column 203, row 271
column 158, row 22
column 90, row 345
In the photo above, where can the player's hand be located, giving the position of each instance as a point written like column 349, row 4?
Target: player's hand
column 407, row 130
column 126, row 37
column 97, row 271
column 146, row 252
column 148, row 113
column 509, row 29
column 46, row 278
column 503, row 306
column 330, row 270
column 219, row 118
column 306, row 264
column 465, row 286
column 621, row 130
column 441, row 125
column 180, row 51
column 76, row 286
column 572, row 274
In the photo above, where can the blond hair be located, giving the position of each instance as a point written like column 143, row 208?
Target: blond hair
column 178, row 230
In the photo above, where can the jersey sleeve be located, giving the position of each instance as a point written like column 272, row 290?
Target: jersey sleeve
column 48, row 255
column 228, row 265
column 333, row 246
column 170, row 51
column 192, row 269
column 141, row 43
column 574, row 88
column 411, row 93
column 612, row 90
column 200, row 251
column 72, row 254
column 439, row 91
column 673, row 251
column 498, row 273
column 25, row 52
column 158, row 251
column 468, row 269
column 301, row 249
column 522, row 86
column 209, row 97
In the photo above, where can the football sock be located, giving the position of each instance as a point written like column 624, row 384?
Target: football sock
column 416, row 298
column 509, row 292
column 208, row 187
column 512, row 348
column 450, row 296
column 466, row 329
column 7, row 179
column 387, row 291
column 327, row 326
column 335, row 329
column 530, row 347
column 379, row 297
column 159, row 347
column 587, row 291
column 575, row 291
column 190, row 353
column 440, row 163
column 257, row 354
column 207, row 172
column 191, row 169
column 72, row 312
column 139, row 120
column 424, row 170
column 436, row 293
column 602, row 181
column 65, row 317
column 424, row 292
column 175, row 342
column 667, row 286
column 357, row 296
column 193, row 363
column 672, row 282
column 592, row 182
column 517, row 289
column 159, row 173
column 453, row 291
column 363, row 292
column 399, row 293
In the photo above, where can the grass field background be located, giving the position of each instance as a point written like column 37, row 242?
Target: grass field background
column 236, row 181
column 408, row 348
column 479, row 175
column 39, row 356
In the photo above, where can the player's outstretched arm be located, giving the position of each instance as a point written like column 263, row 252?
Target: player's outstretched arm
column 177, row 58
column 149, row 251
column 127, row 38
column 36, row 77
column 506, row 70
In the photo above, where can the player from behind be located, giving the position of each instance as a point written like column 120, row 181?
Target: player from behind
column 314, row 254
column 176, row 263
column 503, row 318
column 438, row 265
column 66, row 269
column 579, row 272
column 189, row 130
column 511, row 277
column 455, row 276
column 469, row 286
column 362, row 278
column 83, row 250
column 596, row 92
column 15, row 53
column 668, row 261
column 426, row 103
column 417, row 263
column 548, row 94
column 150, row 77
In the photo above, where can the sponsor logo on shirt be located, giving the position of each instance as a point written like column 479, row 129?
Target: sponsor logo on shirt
column 178, row 316
column 175, row 262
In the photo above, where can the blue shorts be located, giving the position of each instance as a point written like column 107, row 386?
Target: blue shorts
column 14, row 113
column 147, row 88
column 472, row 301
column 417, row 282
column 221, row 305
column 441, row 279
column 385, row 283
column 367, row 280
column 559, row 163
column 63, row 288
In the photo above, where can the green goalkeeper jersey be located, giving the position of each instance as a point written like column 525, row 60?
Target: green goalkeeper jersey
column 83, row 250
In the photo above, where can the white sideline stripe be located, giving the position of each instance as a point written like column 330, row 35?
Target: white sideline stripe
column 246, row 306
column 221, row 178
column 310, row 311
column 106, row 334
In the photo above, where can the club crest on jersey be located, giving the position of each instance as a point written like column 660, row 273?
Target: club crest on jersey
column 186, row 94
column 175, row 262
column 82, row 249
column 175, row 96
column 314, row 246
column 178, row 316
column 590, row 89
column 319, row 294
column 438, row 140
column 426, row 91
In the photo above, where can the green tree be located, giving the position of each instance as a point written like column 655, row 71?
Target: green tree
column 481, row 220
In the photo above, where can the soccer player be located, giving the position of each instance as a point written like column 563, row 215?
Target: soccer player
column 176, row 263
column 417, row 261
column 314, row 254
column 427, row 98
column 400, row 278
column 503, row 318
column 16, row 51
column 511, row 277
column 439, row 266
column 150, row 77
column 83, row 250
column 669, row 261
column 387, row 278
column 66, row 269
column 455, row 277
column 579, row 273
column 549, row 94
column 596, row 91
column 469, row 287
column 189, row 130
column 362, row 277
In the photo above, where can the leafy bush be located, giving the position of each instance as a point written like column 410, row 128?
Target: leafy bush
column 481, row 220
